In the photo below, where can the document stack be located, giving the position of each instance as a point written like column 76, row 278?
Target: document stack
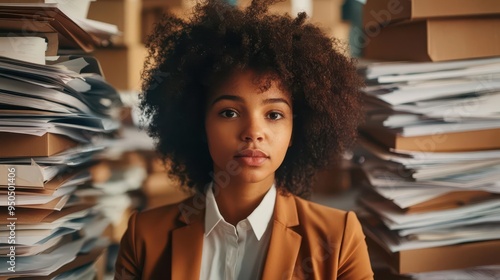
column 431, row 147
column 52, row 109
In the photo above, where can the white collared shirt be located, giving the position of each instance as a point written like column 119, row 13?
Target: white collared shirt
column 236, row 252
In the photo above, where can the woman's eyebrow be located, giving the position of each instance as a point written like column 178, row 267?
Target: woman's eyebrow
column 241, row 100
column 227, row 97
column 276, row 100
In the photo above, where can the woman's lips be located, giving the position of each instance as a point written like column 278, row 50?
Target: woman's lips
column 252, row 157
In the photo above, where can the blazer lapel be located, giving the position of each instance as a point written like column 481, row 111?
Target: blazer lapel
column 187, row 241
column 285, row 243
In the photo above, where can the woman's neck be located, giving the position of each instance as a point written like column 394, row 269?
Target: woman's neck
column 237, row 201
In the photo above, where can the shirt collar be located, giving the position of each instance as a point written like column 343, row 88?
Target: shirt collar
column 258, row 219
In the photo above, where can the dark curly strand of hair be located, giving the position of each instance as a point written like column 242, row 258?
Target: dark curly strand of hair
column 189, row 58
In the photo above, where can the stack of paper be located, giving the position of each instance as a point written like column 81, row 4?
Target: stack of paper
column 491, row 272
column 52, row 112
column 435, row 106
column 431, row 154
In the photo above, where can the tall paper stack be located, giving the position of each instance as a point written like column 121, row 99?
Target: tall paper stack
column 431, row 145
column 50, row 116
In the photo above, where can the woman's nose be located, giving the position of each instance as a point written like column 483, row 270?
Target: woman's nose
column 253, row 130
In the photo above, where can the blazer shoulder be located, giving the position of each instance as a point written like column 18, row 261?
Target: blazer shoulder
column 166, row 216
column 321, row 211
column 328, row 220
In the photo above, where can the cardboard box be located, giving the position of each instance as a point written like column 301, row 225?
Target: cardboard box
column 23, row 145
column 326, row 12
column 487, row 139
column 125, row 14
column 439, row 258
column 435, row 40
column 382, row 12
column 122, row 66
column 282, row 7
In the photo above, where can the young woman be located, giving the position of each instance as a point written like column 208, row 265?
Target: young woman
column 245, row 108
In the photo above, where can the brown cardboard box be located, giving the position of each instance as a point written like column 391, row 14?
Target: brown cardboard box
column 435, row 40
column 326, row 12
column 282, row 7
column 23, row 145
column 382, row 12
column 122, row 66
column 125, row 14
column 439, row 258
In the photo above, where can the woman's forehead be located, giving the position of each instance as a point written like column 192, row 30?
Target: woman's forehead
column 250, row 82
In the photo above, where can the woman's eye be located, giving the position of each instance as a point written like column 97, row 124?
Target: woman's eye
column 228, row 114
column 275, row 116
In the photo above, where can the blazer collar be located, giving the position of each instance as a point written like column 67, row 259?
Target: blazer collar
column 285, row 242
column 187, row 241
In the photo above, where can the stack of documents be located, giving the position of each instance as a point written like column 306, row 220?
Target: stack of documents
column 434, row 107
column 63, row 100
column 52, row 112
column 431, row 155
column 49, row 117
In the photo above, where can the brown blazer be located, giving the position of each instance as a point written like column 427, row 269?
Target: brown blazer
column 308, row 241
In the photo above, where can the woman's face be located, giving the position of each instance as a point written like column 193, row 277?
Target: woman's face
column 248, row 132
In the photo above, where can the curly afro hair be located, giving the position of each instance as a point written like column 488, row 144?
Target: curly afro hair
column 188, row 58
